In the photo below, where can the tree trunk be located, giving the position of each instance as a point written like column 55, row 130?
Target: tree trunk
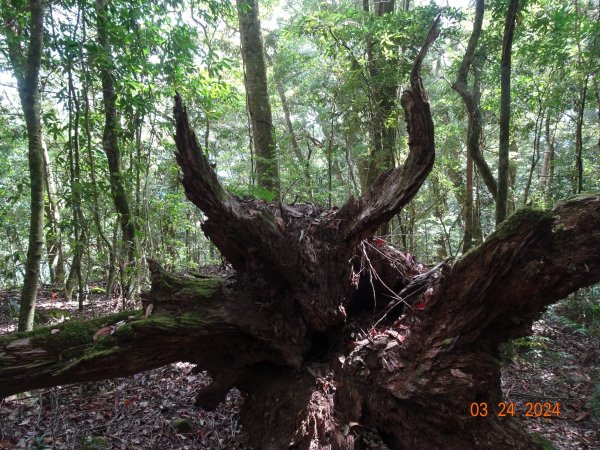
column 92, row 167
column 597, row 90
column 79, row 228
column 547, row 175
column 325, row 330
column 579, row 139
column 468, row 206
column 535, row 153
column 471, row 99
column 504, row 143
column 255, row 71
column 110, row 143
column 54, row 245
column 304, row 162
column 383, row 102
column 26, row 62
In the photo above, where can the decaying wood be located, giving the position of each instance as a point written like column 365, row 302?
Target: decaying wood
column 402, row 379
column 309, row 327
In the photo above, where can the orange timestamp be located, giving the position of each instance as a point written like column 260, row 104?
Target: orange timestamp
column 503, row 409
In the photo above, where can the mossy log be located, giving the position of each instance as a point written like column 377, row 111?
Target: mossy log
column 126, row 343
column 326, row 330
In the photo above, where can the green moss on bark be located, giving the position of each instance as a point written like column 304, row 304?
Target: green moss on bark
column 70, row 334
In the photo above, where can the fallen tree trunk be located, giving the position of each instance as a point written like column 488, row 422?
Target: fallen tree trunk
column 327, row 331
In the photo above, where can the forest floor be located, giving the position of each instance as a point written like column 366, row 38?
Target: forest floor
column 560, row 364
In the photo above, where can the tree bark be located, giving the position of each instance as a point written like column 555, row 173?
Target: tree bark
column 92, row 166
column 547, row 175
column 504, row 142
column 383, row 102
column 79, row 229
column 26, row 62
column 418, row 375
column 579, row 138
column 468, row 206
column 326, row 330
column 302, row 160
column 54, row 244
column 535, row 154
column 110, row 143
column 255, row 71
column 471, row 99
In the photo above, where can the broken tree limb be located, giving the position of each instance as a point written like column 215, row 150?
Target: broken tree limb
column 537, row 258
column 196, row 320
column 232, row 223
column 423, row 377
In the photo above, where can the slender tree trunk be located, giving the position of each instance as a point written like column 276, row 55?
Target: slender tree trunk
column 579, row 138
column 54, row 247
column 110, row 143
column 26, row 62
column 477, row 231
column 504, row 143
column 547, row 174
column 263, row 132
column 383, row 103
column 511, row 203
column 535, row 154
column 597, row 90
column 468, row 206
column 92, row 165
column 79, row 221
column 304, row 162
column 471, row 99
column 355, row 170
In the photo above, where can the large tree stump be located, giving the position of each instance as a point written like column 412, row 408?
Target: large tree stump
column 326, row 330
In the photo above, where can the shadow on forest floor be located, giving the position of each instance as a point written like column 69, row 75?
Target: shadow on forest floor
column 560, row 363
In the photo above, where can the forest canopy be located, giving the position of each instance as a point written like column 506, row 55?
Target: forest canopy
column 329, row 67
column 388, row 190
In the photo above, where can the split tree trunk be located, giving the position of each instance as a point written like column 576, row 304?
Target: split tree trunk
column 306, row 328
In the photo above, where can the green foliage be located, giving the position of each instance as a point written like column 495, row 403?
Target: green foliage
column 542, row 442
column 182, row 425
column 94, row 442
column 40, row 442
column 595, row 400
column 49, row 316
column 580, row 313
column 318, row 57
